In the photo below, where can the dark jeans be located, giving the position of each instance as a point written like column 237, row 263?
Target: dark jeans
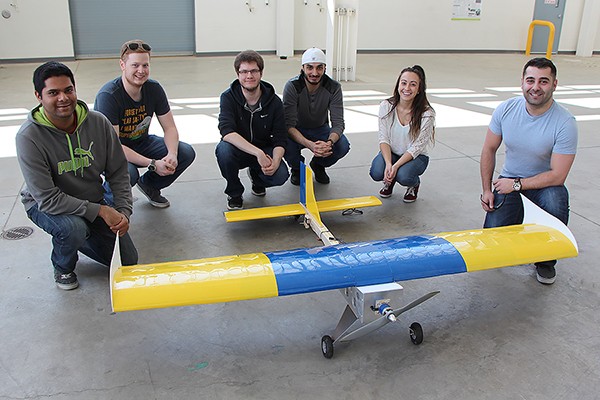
column 71, row 234
column 293, row 154
column 231, row 160
column 154, row 147
column 407, row 175
column 554, row 200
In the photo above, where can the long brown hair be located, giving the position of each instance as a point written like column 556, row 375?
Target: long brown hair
column 420, row 103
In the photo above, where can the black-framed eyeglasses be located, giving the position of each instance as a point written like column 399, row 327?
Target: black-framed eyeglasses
column 134, row 46
column 496, row 206
column 248, row 71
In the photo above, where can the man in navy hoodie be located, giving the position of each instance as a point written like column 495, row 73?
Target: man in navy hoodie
column 252, row 126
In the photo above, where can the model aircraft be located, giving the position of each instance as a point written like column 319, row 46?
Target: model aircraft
column 366, row 272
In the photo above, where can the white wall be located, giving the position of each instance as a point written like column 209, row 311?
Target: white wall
column 36, row 29
column 310, row 24
column 42, row 28
column 571, row 23
column 230, row 26
column 427, row 25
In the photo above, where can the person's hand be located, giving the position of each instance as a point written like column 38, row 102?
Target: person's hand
column 487, row 201
column 171, row 159
column 390, row 173
column 322, row 149
column 116, row 221
column 164, row 167
column 264, row 160
column 503, row 185
column 272, row 168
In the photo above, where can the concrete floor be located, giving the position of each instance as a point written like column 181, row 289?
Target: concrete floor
column 489, row 335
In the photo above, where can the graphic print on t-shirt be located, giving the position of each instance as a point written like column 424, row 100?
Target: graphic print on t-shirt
column 134, row 123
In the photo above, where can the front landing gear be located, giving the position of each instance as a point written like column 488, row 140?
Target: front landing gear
column 416, row 333
column 367, row 310
column 327, row 346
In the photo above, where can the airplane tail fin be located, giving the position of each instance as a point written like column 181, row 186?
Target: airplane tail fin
column 115, row 264
column 307, row 193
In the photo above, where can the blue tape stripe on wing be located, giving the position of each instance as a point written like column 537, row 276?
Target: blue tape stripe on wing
column 364, row 263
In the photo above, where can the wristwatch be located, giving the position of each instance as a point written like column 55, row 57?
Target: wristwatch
column 517, row 185
column 152, row 166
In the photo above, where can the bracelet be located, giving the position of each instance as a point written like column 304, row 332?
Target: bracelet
column 331, row 140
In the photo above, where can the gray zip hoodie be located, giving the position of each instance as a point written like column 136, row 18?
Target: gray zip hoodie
column 63, row 173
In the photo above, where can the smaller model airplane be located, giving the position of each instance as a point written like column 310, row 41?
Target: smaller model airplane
column 308, row 206
column 366, row 272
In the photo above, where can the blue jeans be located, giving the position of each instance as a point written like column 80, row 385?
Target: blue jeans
column 554, row 200
column 154, row 147
column 407, row 175
column 71, row 233
column 293, row 154
column 231, row 160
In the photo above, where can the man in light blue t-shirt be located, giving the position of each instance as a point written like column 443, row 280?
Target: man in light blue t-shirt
column 540, row 139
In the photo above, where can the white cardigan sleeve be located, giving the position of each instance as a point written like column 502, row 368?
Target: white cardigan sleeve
column 385, row 122
column 425, row 137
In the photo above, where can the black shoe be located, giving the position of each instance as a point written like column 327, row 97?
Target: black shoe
column 235, row 203
column 320, row 174
column 66, row 281
column 153, row 195
column 256, row 189
column 545, row 274
column 295, row 177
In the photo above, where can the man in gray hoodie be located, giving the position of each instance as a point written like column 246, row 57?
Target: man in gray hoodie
column 65, row 151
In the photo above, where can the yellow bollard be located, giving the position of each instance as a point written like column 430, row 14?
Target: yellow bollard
column 532, row 25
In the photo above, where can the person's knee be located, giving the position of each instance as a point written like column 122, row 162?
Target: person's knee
column 72, row 230
column 186, row 155
column 342, row 147
column 282, row 175
column 224, row 152
column 376, row 173
column 555, row 201
column 134, row 174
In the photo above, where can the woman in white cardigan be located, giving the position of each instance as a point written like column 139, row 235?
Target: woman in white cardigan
column 406, row 130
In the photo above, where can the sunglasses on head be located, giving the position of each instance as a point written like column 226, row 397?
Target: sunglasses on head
column 134, row 46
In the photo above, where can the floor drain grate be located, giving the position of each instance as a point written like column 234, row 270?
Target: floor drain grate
column 20, row 232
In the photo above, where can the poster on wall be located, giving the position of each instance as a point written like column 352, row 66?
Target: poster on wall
column 466, row 10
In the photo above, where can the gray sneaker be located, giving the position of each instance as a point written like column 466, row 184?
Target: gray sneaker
column 153, row 195
column 545, row 274
column 66, row 281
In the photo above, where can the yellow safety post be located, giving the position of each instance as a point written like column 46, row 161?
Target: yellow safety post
column 532, row 25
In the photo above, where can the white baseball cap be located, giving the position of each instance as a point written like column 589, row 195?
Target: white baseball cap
column 313, row 55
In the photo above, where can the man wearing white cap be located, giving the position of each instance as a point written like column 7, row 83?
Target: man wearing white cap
column 310, row 101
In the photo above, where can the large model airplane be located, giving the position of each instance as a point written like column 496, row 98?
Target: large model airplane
column 366, row 272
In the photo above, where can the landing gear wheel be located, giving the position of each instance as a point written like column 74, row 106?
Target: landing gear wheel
column 416, row 333
column 327, row 346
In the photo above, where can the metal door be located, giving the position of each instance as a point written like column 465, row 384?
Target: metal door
column 552, row 11
column 100, row 27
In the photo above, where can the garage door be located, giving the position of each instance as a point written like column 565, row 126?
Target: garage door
column 101, row 26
